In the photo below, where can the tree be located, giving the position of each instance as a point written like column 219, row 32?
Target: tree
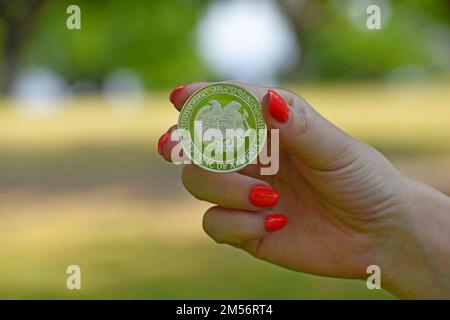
column 18, row 18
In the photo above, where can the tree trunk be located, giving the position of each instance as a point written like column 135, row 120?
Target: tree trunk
column 19, row 20
column 305, row 16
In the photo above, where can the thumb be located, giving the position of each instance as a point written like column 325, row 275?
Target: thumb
column 307, row 135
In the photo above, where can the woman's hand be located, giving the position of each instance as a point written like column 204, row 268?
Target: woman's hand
column 335, row 206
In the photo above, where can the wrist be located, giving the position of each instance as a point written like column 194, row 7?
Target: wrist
column 415, row 260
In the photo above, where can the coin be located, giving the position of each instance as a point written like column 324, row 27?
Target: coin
column 221, row 127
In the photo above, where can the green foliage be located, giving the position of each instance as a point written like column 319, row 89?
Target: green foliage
column 154, row 38
column 157, row 39
column 342, row 49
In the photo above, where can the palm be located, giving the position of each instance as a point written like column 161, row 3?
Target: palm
column 326, row 235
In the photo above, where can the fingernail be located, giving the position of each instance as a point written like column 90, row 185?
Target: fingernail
column 161, row 141
column 263, row 196
column 277, row 107
column 275, row 222
column 175, row 92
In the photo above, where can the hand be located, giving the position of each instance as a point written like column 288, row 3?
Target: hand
column 335, row 206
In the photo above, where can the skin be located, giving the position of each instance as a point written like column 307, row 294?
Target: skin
column 348, row 207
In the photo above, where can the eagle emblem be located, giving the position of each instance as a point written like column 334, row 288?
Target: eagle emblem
column 213, row 116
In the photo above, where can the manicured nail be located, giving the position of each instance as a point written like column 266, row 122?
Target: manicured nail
column 275, row 222
column 175, row 92
column 161, row 141
column 263, row 196
column 277, row 107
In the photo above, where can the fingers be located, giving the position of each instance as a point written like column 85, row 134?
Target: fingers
column 306, row 134
column 303, row 132
column 230, row 190
column 180, row 94
column 237, row 227
column 172, row 151
column 170, row 148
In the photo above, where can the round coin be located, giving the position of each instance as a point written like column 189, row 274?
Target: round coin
column 222, row 128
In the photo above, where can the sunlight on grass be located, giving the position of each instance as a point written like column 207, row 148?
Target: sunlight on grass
column 396, row 116
column 128, row 247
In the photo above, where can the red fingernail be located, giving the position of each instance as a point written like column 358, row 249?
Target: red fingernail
column 275, row 222
column 175, row 92
column 277, row 107
column 263, row 196
column 161, row 141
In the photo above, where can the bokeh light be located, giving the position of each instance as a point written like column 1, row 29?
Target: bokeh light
column 248, row 40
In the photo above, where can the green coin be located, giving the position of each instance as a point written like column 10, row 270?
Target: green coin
column 222, row 128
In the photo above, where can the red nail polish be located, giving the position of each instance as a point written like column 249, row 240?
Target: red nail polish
column 263, row 196
column 277, row 107
column 175, row 92
column 161, row 141
column 275, row 222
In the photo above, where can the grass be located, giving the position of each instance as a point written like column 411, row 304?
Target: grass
column 131, row 247
column 412, row 118
column 85, row 186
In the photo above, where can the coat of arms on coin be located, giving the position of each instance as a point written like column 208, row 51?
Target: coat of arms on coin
column 222, row 128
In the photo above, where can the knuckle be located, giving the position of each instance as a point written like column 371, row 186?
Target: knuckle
column 225, row 192
column 186, row 180
column 347, row 157
column 302, row 120
column 206, row 222
column 185, row 177
column 208, row 225
column 239, row 231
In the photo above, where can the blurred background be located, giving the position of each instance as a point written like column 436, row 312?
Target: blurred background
column 81, row 112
